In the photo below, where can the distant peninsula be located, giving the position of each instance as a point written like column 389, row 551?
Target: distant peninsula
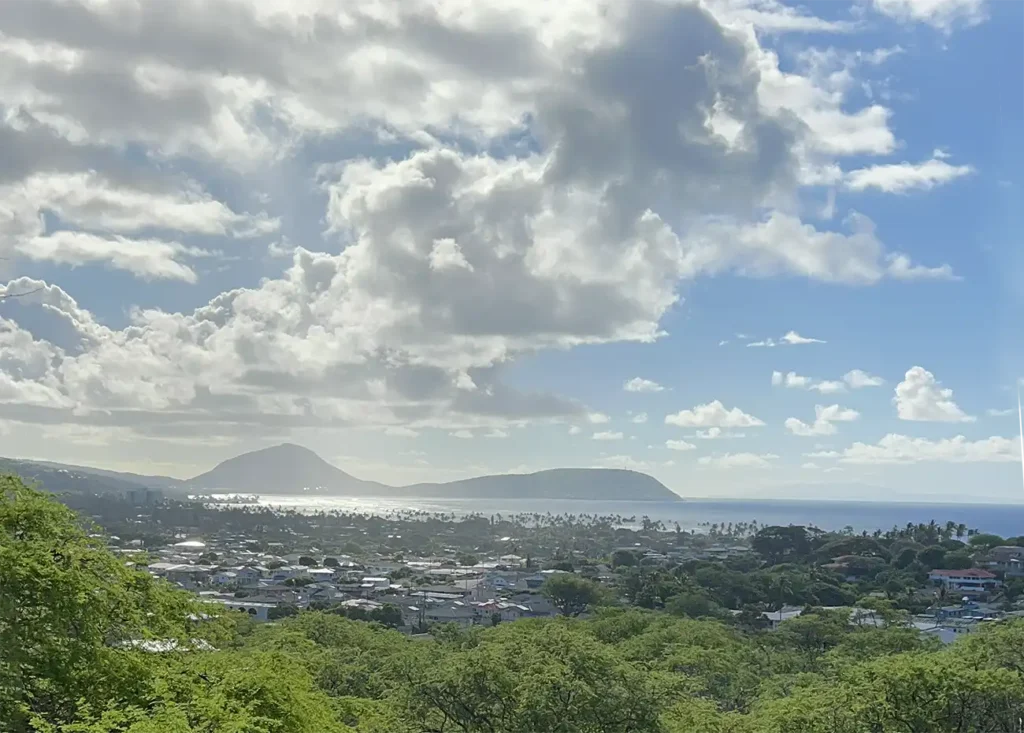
column 293, row 469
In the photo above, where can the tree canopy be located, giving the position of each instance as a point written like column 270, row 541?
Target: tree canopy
column 74, row 616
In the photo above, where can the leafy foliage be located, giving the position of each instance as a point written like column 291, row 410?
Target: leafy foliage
column 71, row 612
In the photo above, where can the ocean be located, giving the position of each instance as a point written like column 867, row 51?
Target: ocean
column 1002, row 519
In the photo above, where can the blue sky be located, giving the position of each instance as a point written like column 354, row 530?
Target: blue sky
column 431, row 242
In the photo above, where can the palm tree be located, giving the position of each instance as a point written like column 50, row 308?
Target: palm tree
column 779, row 589
column 961, row 530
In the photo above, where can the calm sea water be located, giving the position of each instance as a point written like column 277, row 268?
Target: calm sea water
column 1003, row 519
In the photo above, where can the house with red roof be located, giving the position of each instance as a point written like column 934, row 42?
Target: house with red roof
column 969, row 580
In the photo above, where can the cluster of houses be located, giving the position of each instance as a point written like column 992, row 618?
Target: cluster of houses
column 258, row 583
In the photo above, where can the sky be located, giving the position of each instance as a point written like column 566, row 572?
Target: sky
column 753, row 249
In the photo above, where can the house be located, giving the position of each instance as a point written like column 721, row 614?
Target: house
column 968, row 581
column 1007, row 559
column 506, row 611
column 457, row 612
column 258, row 611
column 224, row 577
column 536, row 605
column 288, row 572
column 246, row 575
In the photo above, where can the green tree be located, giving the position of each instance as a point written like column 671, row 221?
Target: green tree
column 524, row 678
column 957, row 561
column 932, row 557
column 307, row 561
column 69, row 612
column 388, row 614
column 570, row 594
column 623, row 558
column 776, row 544
column 985, row 540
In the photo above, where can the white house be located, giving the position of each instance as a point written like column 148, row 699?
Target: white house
column 969, row 580
column 258, row 611
column 455, row 613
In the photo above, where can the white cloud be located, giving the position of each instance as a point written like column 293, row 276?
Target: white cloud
column 496, row 433
column 598, row 418
column 738, row 460
column 793, row 338
column 904, row 177
column 150, row 259
column 921, row 397
column 608, row 435
column 639, row 418
column 771, row 16
column 943, row 15
column 824, row 454
column 827, row 386
column 679, row 445
column 636, row 384
column 858, row 379
column 810, row 466
column 791, row 379
column 713, row 414
column 450, row 251
column 462, row 434
column 399, row 431
column 716, row 434
column 994, row 412
column 783, row 245
column 575, row 430
column 446, row 254
column 824, row 421
column 894, row 448
column 769, row 343
column 796, row 381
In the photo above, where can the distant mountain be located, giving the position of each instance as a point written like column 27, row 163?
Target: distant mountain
column 292, row 469
column 67, row 479
column 560, row 483
column 281, row 469
column 150, row 482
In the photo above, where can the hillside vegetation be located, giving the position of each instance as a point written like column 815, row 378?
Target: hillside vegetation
column 72, row 615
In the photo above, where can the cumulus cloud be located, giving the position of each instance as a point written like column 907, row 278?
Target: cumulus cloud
column 400, row 431
column 794, row 339
column 905, row 177
column 637, row 384
column 944, row 15
column 895, row 448
column 781, row 244
column 738, row 460
column 791, row 379
column 859, row 379
column 824, row 421
column 511, row 180
column 608, row 435
column 828, row 386
column 639, row 418
column 713, row 414
column 598, row 418
column 679, row 445
column 462, row 434
column 716, row 434
column 921, row 397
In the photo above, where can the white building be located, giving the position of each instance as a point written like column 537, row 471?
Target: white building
column 969, row 580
